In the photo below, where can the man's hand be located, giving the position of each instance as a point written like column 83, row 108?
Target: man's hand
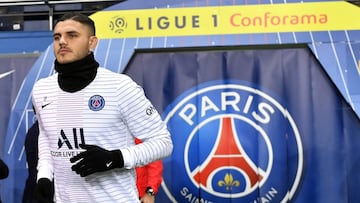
column 147, row 199
column 44, row 191
column 96, row 159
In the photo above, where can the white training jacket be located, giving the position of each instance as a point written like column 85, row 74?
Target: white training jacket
column 109, row 112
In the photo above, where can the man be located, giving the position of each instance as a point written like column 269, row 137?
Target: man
column 148, row 179
column 4, row 171
column 31, row 150
column 88, row 118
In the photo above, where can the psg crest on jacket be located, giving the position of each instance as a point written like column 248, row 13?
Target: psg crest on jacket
column 233, row 141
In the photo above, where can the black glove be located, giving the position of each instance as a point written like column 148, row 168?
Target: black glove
column 44, row 191
column 96, row 159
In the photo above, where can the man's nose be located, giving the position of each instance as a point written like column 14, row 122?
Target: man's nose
column 62, row 41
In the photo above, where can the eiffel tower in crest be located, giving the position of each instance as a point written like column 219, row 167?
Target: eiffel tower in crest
column 227, row 153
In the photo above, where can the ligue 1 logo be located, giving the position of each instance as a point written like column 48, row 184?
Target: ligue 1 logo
column 232, row 143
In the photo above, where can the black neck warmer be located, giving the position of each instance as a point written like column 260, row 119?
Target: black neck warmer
column 76, row 75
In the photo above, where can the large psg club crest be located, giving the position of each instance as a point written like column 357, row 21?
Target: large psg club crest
column 233, row 141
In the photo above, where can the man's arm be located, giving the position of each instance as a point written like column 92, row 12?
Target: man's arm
column 45, row 167
column 145, row 123
column 154, row 172
column 4, row 170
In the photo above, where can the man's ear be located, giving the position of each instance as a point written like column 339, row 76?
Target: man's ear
column 93, row 42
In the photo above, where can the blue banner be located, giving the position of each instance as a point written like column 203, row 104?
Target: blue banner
column 258, row 124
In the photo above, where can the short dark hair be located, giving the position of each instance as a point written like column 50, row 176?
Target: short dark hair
column 81, row 18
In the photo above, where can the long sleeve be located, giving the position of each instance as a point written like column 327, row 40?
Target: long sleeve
column 145, row 123
column 44, row 167
column 154, row 171
column 149, row 175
